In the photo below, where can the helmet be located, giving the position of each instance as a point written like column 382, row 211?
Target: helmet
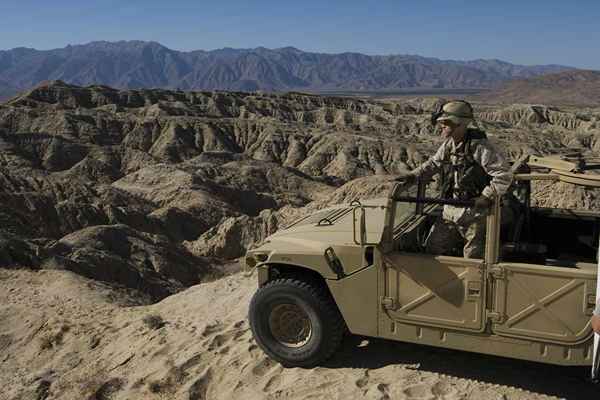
column 457, row 111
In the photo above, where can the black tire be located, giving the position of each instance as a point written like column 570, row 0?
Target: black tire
column 291, row 300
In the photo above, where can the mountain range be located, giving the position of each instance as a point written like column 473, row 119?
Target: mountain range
column 139, row 64
column 570, row 88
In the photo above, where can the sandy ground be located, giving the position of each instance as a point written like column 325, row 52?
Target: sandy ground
column 65, row 337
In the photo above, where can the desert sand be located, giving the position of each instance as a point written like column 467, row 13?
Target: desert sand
column 63, row 336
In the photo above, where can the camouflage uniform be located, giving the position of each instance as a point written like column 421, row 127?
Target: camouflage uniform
column 466, row 224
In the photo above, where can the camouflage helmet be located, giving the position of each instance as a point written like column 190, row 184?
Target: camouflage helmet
column 457, row 111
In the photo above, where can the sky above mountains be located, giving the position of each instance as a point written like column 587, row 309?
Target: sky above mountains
column 522, row 32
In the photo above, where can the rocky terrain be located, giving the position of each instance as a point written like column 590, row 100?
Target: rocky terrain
column 151, row 188
column 113, row 202
column 137, row 64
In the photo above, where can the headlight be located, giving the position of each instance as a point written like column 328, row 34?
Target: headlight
column 334, row 262
column 250, row 262
column 252, row 259
column 261, row 257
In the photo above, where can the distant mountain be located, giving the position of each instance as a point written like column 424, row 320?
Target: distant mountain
column 574, row 88
column 137, row 64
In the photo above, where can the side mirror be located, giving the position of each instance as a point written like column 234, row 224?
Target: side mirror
column 359, row 217
column 363, row 227
column 358, row 224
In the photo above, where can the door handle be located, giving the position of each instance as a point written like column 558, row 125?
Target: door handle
column 590, row 304
column 473, row 289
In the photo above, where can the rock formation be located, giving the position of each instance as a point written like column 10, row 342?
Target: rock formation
column 152, row 188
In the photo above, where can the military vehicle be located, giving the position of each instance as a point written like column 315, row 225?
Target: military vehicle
column 361, row 268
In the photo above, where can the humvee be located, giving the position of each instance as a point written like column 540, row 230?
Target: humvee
column 361, row 268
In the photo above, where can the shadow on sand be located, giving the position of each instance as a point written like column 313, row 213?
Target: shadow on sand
column 562, row 382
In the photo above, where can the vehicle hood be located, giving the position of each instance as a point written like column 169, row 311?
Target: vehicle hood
column 338, row 225
column 335, row 229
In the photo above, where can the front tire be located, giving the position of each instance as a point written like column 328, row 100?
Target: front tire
column 295, row 322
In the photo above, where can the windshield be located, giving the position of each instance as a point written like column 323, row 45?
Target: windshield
column 402, row 212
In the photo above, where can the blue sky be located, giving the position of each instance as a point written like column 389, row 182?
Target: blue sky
column 523, row 32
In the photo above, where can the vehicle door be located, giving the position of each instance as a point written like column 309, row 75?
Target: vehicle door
column 548, row 303
column 544, row 284
column 425, row 289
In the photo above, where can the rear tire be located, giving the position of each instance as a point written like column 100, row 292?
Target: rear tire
column 296, row 322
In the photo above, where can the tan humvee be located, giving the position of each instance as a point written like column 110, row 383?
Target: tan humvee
column 361, row 268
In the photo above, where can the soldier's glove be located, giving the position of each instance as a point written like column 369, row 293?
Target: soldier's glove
column 482, row 203
column 407, row 178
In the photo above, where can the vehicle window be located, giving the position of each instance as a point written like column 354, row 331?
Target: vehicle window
column 545, row 236
column 432, row 227
column 402, row 212
column 538, row 242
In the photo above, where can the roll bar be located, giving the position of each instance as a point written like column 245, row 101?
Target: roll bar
column 397, row 194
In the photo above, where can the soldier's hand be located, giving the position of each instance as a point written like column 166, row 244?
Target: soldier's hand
column 407, row 178
column 596, row 323
column 482, row 203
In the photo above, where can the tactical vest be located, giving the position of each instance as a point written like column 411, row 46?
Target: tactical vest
column 472, row 178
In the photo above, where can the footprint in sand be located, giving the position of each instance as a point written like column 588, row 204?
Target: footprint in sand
column 240, row 334
column 384, row 389
column 437, row 391
column 212, row 328
column 419, row 392
column 379, row 392
column 363, row 380
column 108, row 389
column 220, row 340
column 200, row 387
column 445, row 390
column 192, row 362
column 239, row 324
column 263, row 367
column 272, row 383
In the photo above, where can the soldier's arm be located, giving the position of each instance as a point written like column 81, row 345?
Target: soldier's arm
column 432, row 165
column 496, row 166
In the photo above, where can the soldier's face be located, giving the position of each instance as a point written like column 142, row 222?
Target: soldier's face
column 447, row 127
column 450, row 129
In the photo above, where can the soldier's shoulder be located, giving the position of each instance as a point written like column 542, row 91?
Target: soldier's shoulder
column 479, row 139
column 480, row 143
column 476, row 134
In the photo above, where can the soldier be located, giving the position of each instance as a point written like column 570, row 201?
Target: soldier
column 471, row 168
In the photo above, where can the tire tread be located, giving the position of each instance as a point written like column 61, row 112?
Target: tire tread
column 326, row 305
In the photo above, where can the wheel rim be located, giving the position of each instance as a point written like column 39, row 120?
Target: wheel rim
column 290, row 325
